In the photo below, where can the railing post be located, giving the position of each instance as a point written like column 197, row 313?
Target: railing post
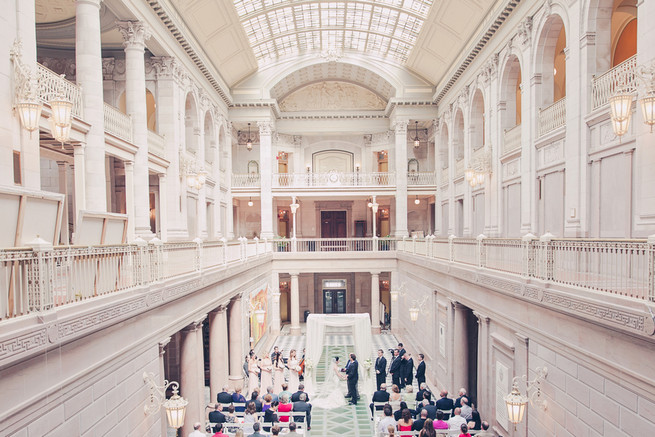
column 242, row 248
column 651, row 267
column 529, row 255
column 294, row 247
column 414, row 244
column 256, row 240
column 142, row 262
column 547, row 256
column 39, row 283
column 198, row 262
column 451, row 248
column 224, row 242
column 375, row 243
column 265, row 245
column 482, row 253
column 156, row 258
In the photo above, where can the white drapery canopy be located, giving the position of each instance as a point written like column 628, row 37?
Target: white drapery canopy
column 363, row 339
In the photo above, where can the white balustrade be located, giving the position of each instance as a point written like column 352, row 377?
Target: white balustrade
column 156, row 144
column 334, row 245
column 621, row 77
column 421, row 178
column 247, row 180
column 552, row 117
column 117, row 123
column 512, row 139
column 333, row 179
column 52, row 84
column 504, row 254
column 465, row 250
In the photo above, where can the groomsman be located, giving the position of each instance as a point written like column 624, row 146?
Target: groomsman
column 395, row 368
column 420, row 370
column 380, row 369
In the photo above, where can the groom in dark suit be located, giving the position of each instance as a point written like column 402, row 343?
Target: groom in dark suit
column 380, row 369
column 353, row 378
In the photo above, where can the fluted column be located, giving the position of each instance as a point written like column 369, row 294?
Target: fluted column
column 79, row 175
column 218, row 358
column 129, row 198
column 295, row 305
column 190, row 387
column 136, row 34
column 460, row 351
column 63, row 189
column 235, row 338
column 88, row 72
column 276, row 322
column 395, row 286
column 163, row 207
column 400, row 128
column 200, row 364
column 485, row 376
column 375, row 302
column 266, row 177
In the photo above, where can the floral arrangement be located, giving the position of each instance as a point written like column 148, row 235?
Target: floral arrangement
column 309, row 364
column 368, row 364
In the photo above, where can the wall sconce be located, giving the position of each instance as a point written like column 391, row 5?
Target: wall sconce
column 276, row 296
column 395, row 294
column 621, row 101
column 357, row 167
column 309, row 168
column 59, row 133
column 175, row 406
column 294, row 207
column 516, row 402
column 418, row 306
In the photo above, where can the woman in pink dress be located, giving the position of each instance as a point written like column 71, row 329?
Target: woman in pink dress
column 253, row 374
column 294, row 378
column 266, row 366
column 278, row 369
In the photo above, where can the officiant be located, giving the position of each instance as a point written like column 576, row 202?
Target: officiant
column 352, row 371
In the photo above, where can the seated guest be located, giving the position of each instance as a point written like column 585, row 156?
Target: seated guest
column 418, row 423
column 238, row 398
column 485, row 430
column 296, row 396
column 399, row 413
column 256, row 427
column 427, row 396
column 284, row 407
column 444, row 403
column 379, row 396
column 275, row 430
column 439, row 423
column 387, row 419
column 218, row 430
column 269, row 390
column 431, row 409
column 217, row 416
column 465, row 431
column 224, row 397
column 457, row 420
column 267, row 402
column 428, row 429
column 460, row 394
column 249, row 418
column 391, row 431
column 292, row 430
column 395, row 393
column 466, row 409
column 475, row 422
column 230, row 417
column 422, row 389
column 303, row 406
column 255, row 398
column 406, row 421
column 270, row 416
column 408, row 396
column 285, row 391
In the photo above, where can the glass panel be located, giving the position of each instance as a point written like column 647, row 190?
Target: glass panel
column 327, row 301
column 341, row 301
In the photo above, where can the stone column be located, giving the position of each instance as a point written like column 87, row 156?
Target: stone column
column 136, row 34
column 395, row 286
column 200, row 364
column 189, row 379
column 235, row 338
column 375, row 302
column 79, row 174
column 162, row 376
column 266, row 177
column 276, row 322
column 163, row 207
column 458, row 335
column 129, row 198
column 88, row 72
column 218, row 352
column 485, row 375
column 295, row 305
column 63, row 189
column 400, row 229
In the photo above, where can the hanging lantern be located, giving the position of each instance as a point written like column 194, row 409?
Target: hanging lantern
column 417, row 142
column 260, row 316
column 250, row 201
column 29, row 113
column 61, row 110
column 473, row 182
column 621, row 126
column 59, row 133
column 191, row 180
column 249, row 141
column 479, row 178
column 413, row 314
column 394, row 295
column 175, row 410
column 620, row 109
column 516, row 404
column 648, row 108
column 417, row 201
column 469, row 174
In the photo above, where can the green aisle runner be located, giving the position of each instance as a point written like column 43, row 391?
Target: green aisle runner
column 347, row 421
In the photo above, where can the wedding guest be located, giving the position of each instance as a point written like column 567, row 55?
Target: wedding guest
column 405, row 423
column 399, row 413
column 304, row 407
column 292, row 430
column 224, row 397
column 420, row 370
column 460, row 395
column 418, row 423
column 266, row 366
column 296, row 396
column 249, row 418
column 409, row 369
column 387, row 419
column 440, row 423
column 269, row 390
column 218, row 430
column 284, row 407
column 230, row 417
column 379, row 396
column 278, row 370
column 395, row 393
column 428, row 429
column 217, row 416
column 238, row 398
column 457, row 420
column 270, row 416
column 465, row 431
column 255, row 398
column 196, row 430
column 285, row 391
column 467, row 411
column 256, row 427
column 268, row 399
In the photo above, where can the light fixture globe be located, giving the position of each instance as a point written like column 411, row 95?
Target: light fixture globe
column 516, row 404
column 621, row 105
column 479, row 178
column 59, row 133
column 29, row 113
column 294, row 207
column 413, row 313
column 417, row 142
column 250, row 202
column 648, row 108
column 469, row 174
column 394, row 295
column 473, row 182
column 62, row 110
column 175, row 410
column 260, row 316
column 374, row 207
column 621, row 127
column 249, row 141
column 417, row 201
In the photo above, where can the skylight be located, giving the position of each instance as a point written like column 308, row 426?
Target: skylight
column 279, row 28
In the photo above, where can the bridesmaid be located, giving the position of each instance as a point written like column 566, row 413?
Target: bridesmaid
column 294, row 367
column 253, row 374
column 266, row 365
column 278, row 368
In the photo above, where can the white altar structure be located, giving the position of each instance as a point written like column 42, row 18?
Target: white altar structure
column 362, row 339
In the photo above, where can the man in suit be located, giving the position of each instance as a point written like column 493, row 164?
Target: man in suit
column 379, row 396
column 380, row 369
column 296, row 396
column 292, row 430
column 303, row 406
column 402, row 369
column 224, row 397
column 420, row 370
column 422, row 389
column 394, row 368
column 216, row 416
column 485, row 430
column 460, row 395
column 431, row 409
column 256, row 427
column 445, row 403
column 401, row 350
column 418, row 423
column 409, row 369
column 353, row 378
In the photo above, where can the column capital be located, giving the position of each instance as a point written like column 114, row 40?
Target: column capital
column 135, row 33
column 78, row 149
column 195, row 325
column 95, row 3
column 400, row 127
column 162, row 344
column 375, row 273
column 296, row 273
column 265, row 127
column 128, row 165
column 220, row 309
column 481, row 317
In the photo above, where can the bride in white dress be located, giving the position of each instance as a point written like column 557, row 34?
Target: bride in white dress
column 330, row 394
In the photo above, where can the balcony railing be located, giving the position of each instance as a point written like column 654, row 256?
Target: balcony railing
column 248, row 180
column 117, row 123
column 512, row 139
column 552, row 117
column 621, row 267
column 620, row 77
column 33, row 281
column 334, row 245
column 156, row 144
column 422, row 178
column 51, row 84
column 333, row 179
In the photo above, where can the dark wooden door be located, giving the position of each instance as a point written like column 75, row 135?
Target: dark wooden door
column 333, row 224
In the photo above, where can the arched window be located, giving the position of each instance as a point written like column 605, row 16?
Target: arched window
column 210, row 139
column 477, row 121
column 190, row 124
